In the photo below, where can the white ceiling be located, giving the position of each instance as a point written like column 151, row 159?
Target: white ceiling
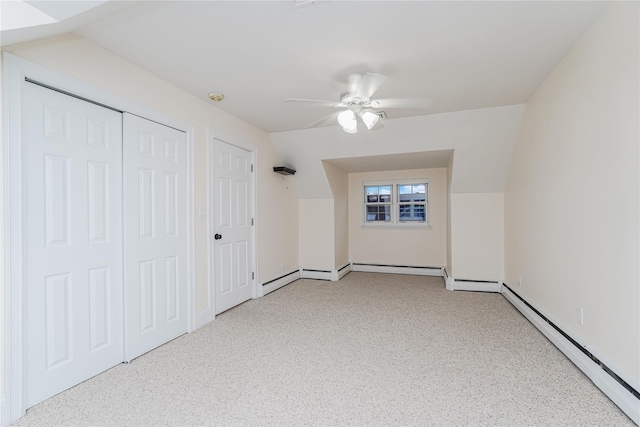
column 464, row 55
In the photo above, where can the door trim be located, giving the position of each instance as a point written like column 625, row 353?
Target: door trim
column 208, row 314
column 13, row 323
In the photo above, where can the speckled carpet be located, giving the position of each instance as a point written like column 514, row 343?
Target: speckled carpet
column 372, row 349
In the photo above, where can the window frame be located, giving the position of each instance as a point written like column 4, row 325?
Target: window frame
column 395, row 203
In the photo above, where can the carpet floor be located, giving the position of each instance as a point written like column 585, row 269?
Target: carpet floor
column 371, row 349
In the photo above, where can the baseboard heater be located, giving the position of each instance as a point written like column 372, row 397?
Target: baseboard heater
column 308, row 273
column 328, row 275
column 473, row 285
column 279, row 282
column 617, row 389
column 397, row 269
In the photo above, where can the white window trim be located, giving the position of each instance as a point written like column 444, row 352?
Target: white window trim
column 394, row 223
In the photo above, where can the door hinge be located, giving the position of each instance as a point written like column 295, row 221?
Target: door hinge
column 251, row 221
column 253, row 276
column 251, row 167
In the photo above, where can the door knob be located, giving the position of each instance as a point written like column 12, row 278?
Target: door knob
column 217, row 236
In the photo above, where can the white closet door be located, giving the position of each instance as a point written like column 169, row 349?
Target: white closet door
column 73, row 240
column 155, row 242
column 233, row 239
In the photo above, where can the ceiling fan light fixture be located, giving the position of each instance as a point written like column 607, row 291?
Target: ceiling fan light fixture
column 351, row 128
column 370, row 119
column 346, row 118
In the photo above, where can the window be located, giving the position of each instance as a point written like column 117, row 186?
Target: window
column 396, row 203
column 378, row 200
column 412, row 202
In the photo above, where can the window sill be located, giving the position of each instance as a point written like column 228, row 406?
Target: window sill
column 395, row 227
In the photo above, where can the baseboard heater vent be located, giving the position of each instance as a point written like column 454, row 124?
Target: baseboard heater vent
column 279, row 282
column 617, row 389
column 328, row 275
column 308, row 273
column 473, row 285
column 397, row 269
column 281, row 277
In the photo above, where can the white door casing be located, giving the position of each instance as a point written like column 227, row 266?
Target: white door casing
column 232, row 234
column 73, row 240
column 155, row 242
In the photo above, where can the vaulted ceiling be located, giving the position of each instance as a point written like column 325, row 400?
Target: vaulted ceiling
column 463, row 55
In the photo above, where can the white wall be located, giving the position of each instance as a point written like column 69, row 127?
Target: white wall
column 449, row 181
column 572, row 196
column 277, row 206
column 317, row 250
column 477, row 236
column 4, row 292
column 339, row 182
column 394, row 246
column 278, row 224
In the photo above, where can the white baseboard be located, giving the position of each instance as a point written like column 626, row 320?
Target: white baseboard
column 472, row 285
column 203, row 318
column 450, row 283
column 280, row 282
column 393, row 269
column 330, row 275
column 343, row 271
column 626, row 401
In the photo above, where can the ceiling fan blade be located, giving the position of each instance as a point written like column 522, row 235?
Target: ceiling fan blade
column 330, row 119
column 369, row 85
column 402, row 103
column 318, row 102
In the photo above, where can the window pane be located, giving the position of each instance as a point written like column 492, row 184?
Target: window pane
column 412, row 212
column 385, row 193
column 371, row 194
column 404, row 189
column 384, row 213
column 412, row 193
column 378, row 213
column 372, row 213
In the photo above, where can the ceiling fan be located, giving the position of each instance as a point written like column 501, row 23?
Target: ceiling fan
column 356, row 103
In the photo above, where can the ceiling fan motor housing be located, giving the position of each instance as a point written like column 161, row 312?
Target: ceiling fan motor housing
column 350, row 99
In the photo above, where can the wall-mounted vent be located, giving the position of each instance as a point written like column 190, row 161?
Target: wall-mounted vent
column 283, row 170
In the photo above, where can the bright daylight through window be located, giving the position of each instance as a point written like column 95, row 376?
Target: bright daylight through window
column 397, row 203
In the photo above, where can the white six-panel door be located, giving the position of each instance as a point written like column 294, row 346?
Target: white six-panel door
column 73, row 240
column 155, row 238
column 233, row 237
